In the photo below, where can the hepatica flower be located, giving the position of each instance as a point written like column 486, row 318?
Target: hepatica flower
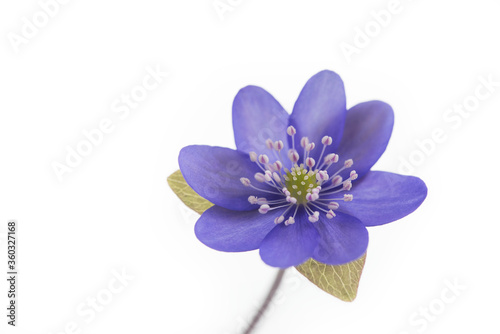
column 299, row 185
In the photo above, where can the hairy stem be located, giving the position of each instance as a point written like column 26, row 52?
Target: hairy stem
column 267, row 301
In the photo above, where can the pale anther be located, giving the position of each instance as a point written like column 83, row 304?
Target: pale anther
column 331, row 158
column 348, row 197
column 263, row 159
column 310, row 147
column 327, row 140
column 276, row 177
column 252, row 199
column 260, row 177
column 348, row 163
column 310, row 162
column 347, row 185
column 333, row 205
column 337, row 180
column 246, row 182
column 269, row 144
column 264, row 208
column 330, row 214
column 278, row 145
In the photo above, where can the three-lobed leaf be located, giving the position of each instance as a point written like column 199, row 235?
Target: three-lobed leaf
column 340, row 281
column 187, row 195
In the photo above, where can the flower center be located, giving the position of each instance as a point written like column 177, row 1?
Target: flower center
column 305, row 184
column 300, row 182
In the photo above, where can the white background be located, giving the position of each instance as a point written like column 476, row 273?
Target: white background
column 116, row 211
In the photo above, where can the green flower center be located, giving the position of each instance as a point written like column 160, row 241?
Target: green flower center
column 300, row 182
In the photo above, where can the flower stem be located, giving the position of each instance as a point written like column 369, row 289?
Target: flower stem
column 267, row 301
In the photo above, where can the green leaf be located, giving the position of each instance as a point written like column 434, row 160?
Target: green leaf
column 339, row 281
column 187, row 195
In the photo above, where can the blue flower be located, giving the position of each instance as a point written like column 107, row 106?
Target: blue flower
column 289, row 189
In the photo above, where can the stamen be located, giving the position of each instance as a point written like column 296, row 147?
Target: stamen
column 277, row 177
column 263, row 159
column 337, row 180
column 264, row 209
column 314, row 217
column 326, row 140
column 319, row 208
column 278, row 145
column 278, row 165
column 310, row 162
column 348, row 197
column 293, row 156
column 268, row 177
column 277, row 207
column 330, row 214
column 347, row 185
column 266, row 191
column 253, row 156
column 310, row 147
column 269, row 144
column 276, row 201
column 291, row 219
column 260, row 177
column 348, row 163
column 322, row 176
column 311, row 197
column 333, row 205
column 262, row 200
column 329, row 192
column 291, row 131
column 246, row 182
column 332, row 158
column 329, row 159
column 252, row 199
